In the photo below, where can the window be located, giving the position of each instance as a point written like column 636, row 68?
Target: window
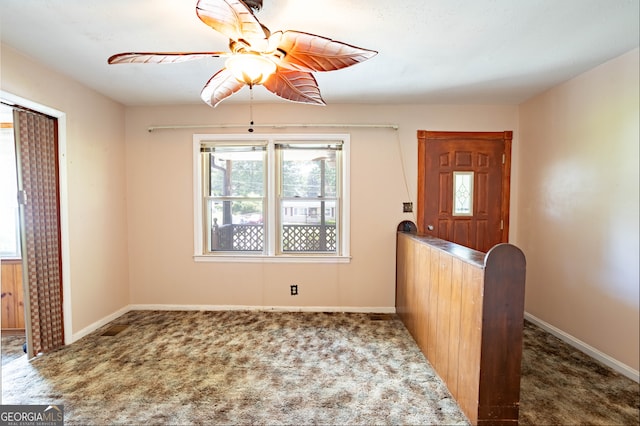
column 281, row 197
column 9, row 211
column 463, row 193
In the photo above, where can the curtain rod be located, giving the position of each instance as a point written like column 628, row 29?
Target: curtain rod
column 273, row 126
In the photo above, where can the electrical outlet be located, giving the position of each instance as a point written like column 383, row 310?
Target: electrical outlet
column 407, row 207
column 294, row 289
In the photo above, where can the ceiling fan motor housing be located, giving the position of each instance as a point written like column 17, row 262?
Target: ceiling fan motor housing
column 255, row 5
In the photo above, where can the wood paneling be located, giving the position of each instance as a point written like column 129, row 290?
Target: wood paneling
column 465, row 310
column 12, row 295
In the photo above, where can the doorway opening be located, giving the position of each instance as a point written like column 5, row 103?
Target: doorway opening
column 12, row 319
column 34, row 128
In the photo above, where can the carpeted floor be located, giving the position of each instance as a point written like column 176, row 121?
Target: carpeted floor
column 12, row 348
column 561, row 385
column 239, row 368
column 286, row 368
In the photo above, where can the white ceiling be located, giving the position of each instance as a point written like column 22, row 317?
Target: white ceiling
column 430, row 51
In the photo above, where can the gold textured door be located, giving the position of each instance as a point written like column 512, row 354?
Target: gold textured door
column 463, row 186
column 38, row 186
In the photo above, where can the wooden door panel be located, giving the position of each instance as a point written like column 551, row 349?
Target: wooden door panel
column 463, row 158
column 482, row 232
column 444, row 205
column 488, row 156
column 482, row 194
column 443, row 229
column 462, row 232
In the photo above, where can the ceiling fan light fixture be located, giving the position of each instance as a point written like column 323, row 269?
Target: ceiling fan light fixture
column 250, row 68
column 256, row 54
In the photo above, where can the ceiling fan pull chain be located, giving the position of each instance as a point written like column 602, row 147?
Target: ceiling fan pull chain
column 251, row 108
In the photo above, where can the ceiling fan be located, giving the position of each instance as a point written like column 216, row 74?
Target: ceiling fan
column 282, row 61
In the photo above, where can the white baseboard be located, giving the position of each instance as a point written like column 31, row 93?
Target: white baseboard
column 96, row 325
column 353, row 309
column 162, row 307
column 586, row 348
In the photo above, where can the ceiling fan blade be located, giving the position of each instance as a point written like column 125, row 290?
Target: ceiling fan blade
column 160, row 57
column 309, row 52
column 233, row 19
column 296, row 86
column 219, row 87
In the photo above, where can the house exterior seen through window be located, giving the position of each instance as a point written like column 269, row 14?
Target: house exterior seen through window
column 274, row 196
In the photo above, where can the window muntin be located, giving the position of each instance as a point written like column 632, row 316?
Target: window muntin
column 301, row 212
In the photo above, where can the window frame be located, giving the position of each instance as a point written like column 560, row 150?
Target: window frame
column 272, row 221
column 472, row 176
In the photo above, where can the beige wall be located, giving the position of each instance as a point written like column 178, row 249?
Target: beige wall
column 160, row 204
column 578, row 207
column 93, row 196
column 128, row 201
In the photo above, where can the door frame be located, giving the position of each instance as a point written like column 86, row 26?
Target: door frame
column 63, row 184
column 426, row 135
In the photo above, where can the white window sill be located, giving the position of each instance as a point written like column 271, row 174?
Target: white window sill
column 230, row 258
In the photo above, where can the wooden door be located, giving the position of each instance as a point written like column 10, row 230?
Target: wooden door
column 463, row 187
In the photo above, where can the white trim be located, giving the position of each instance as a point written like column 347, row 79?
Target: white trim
column 345, row 184
column 578, row 344
column 586, row 348
column 64, row 201
column 271, row 259
column 271, row 252
column 64, row 225
column 270, row 204
column 96, row 325
column 348, row 309
column 198, row 238
column 217, row 308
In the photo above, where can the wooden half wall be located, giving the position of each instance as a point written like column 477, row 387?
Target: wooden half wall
column 465, row 309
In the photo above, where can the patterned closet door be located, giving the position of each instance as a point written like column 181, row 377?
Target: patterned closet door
column 38, row 185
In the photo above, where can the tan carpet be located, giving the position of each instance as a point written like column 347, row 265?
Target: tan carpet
column 292, row 368
column 239, row 368
column 562, row 386
column 12, row 348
